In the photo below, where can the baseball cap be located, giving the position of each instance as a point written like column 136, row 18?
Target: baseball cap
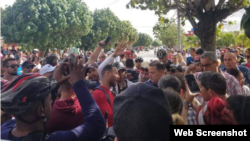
column 92, row 66
column 47, row 68
column 27, row 63
column 127, row 52
column 146, row 104
column 35, row 50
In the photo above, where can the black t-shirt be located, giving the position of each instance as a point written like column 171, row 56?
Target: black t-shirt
column 168, row 65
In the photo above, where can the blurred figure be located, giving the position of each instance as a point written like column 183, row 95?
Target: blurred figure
column 27, row 67
column 47, row 70
column 102, row 57
column 180, row 60
column 10, row 69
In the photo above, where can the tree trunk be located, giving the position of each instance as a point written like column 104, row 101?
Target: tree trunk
column 206, row 31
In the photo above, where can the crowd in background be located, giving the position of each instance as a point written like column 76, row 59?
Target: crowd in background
column 118, row 96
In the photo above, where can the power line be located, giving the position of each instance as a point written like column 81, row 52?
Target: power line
column 113, row 3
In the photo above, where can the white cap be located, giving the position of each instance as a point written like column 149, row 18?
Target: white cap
column 47, row 68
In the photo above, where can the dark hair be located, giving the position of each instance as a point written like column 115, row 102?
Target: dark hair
column 181, row 76
column 217, row 114
column 174, row 100
column 159, row 65
column 107, row 68
column 234, row 72
column 129, row 63
column 222, row 58
column 6, row 61
column 240, row 106
column 169, row 81
column 193, row 49
column 52, row 60
column 199, row 51
column 122, row 56
column 214, row 81
column 228, row 48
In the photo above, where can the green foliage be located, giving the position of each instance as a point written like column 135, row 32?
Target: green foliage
column 245, row 22
column 106, row 23
column 226, row 39
column 46, row 23
column 144, row 40
column 156, row 43
column 167, row 33
column 191, row 41
column 242, row 40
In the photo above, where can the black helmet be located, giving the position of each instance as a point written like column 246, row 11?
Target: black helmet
column 139, row 59
column 119, row 66
column 19, row 96
column 161, row 53
column 199, row 51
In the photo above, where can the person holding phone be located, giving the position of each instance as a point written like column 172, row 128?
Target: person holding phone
column 212, row 85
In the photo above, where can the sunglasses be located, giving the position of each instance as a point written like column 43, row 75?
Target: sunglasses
column 248, row 56
column 13, row 66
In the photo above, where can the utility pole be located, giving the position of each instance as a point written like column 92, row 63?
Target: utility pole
column 178, row 31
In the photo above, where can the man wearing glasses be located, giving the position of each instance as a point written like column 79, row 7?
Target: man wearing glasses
column 209, row 63
column 10, row 70
column 27, row 67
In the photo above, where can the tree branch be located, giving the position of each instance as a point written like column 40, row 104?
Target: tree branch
column 220, row 4
column 191, row 19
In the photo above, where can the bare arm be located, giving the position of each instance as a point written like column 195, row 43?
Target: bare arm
column 95, row 54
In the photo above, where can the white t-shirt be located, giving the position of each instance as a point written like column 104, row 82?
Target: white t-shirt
column 38, row 67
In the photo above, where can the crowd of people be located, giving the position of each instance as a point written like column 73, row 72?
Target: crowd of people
column 118, row 96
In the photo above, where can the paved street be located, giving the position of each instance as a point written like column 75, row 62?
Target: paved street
column 147, row 55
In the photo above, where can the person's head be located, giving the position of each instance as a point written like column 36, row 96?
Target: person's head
column 180, row 57
column 222, row 59
column 121, row 71
column 2, row 68
column 239, row 105
column 52, row 60
column 230, row 61
column 35, row 53
column 10, row 67
column 199, row 51
column 227, row 50
column 122, row 56
column 93, row 72
column 192, row 51
column 150, row 111
column 55, row 51
column 20, row 54
column 126, row 54
column 132, row 52
column 238, row 75
column 27, row 67
column 156, row 71
column 175, row 69
column 184, row 52
column 212, row 84
column 217, row 114
column 247, row 52
column 237, row 52
column 102, row 57
column 47, row 70
column 162, row 55
column 37, row 60
column 138, row 62
column 180, row 77
column 109, row 75
column 30, row 102
column 130, row 63
column 175, row 59
column 169, row 81
column 209, row 62
column 65, row 55
column 144, row 74
column 174, row 100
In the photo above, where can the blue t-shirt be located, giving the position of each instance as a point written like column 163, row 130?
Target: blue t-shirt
column 19, row 71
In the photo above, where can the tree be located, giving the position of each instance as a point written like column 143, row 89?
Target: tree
column 144, row 40
column 167, row 33
column 156, row 43
column 242, row 40
column 226, row 39
column 192, row 41
column 245, row 22
column 202, row 14
column 106, row 23
column 46, row 23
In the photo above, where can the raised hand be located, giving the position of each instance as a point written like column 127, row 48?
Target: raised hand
column 58, row 73
column 120, row 49
column 189, row 95
column 77, row 71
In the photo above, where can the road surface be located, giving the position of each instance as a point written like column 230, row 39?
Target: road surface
column 147, row 55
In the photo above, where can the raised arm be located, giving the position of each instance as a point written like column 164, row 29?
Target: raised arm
column 96, row 53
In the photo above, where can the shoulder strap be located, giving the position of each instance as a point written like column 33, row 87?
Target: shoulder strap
column 107, row 96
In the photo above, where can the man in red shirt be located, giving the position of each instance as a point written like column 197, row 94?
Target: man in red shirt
column 103, row 96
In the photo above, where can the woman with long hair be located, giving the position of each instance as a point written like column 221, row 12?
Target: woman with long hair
column 181, row 60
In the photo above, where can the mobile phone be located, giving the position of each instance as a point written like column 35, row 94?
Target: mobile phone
column 107, row 40
column 72, row 60
column 192, row 84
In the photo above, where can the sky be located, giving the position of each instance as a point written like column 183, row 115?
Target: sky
column 143, row 21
